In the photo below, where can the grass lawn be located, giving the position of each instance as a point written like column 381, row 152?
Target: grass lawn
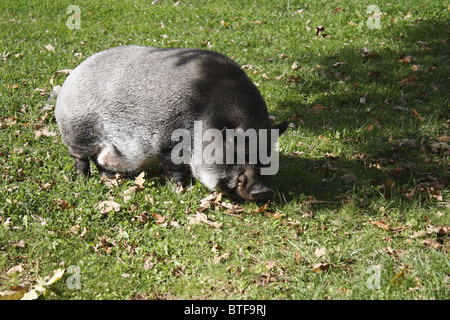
column 362, row 204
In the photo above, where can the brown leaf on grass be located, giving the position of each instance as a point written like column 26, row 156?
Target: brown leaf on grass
column 178, row 271
column 83, row 233
column 65, row 71
column 409, row 80
column 340, row 63
column 445, row 139
column 139, row 181
column 46, row 185
column 74, row 229
column 319, row 267
column 61, row 204
column 405, row 60
column 50, row 48
column 381, row 224
column 398, row 278
column 439, row 231
column 270, row 264
column 221, row 257
column 43, row 132
column 274, row 215
column 295, row 154
column 15, row 269
column 295, row 66
column 393, row 252
column 216, row 248
column 232, row 209
column 297, row 258
column 417, row 115
column 415, row 68
column 201, row 217
column 293, row 79
column 212, row 199
column 320, row 252
column 261, row 209
column 295, row 117
column 439, row 146
column 407, row 142
column 337, row 10
column 284, row 56
column 158, row 218
column 365, row 52
column 431, row 243
column 127, row 194
column 108, row 206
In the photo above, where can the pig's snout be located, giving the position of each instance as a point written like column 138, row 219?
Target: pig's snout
column 261, row 192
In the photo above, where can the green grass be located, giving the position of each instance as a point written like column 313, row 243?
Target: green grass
column 360, row 172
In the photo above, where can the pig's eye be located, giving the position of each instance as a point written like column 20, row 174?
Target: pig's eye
column 242, row 180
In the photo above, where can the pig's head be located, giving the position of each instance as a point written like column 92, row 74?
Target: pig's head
column 246, row 182
column 250, row 180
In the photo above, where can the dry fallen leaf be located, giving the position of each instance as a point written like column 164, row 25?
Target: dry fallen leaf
column 340, row 63
column 212, row 199
column 201, row 217
column 158, row 218
column 431, row 243
column 295, row 66
column 141, row 217
column 417, row 115
column 15, row 269
column 274, row 215
column 297, row 258
column 261, row 209
column 320, row 252
column 139, row 181
column 43, row 132
column 49, row 47
column 74, row 229
column 216, row 248
column 221, row 257
column 406, row 59
column 409, row 79
column 398, row 278
column 319, row 267
column 438, row 146
column 381, row 224
column 270, row 264
column 108, row 206
column 65, row 71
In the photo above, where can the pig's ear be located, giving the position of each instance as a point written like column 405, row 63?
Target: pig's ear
column 281, row 127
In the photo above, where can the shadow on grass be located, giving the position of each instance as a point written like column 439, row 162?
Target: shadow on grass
column 389, row 104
